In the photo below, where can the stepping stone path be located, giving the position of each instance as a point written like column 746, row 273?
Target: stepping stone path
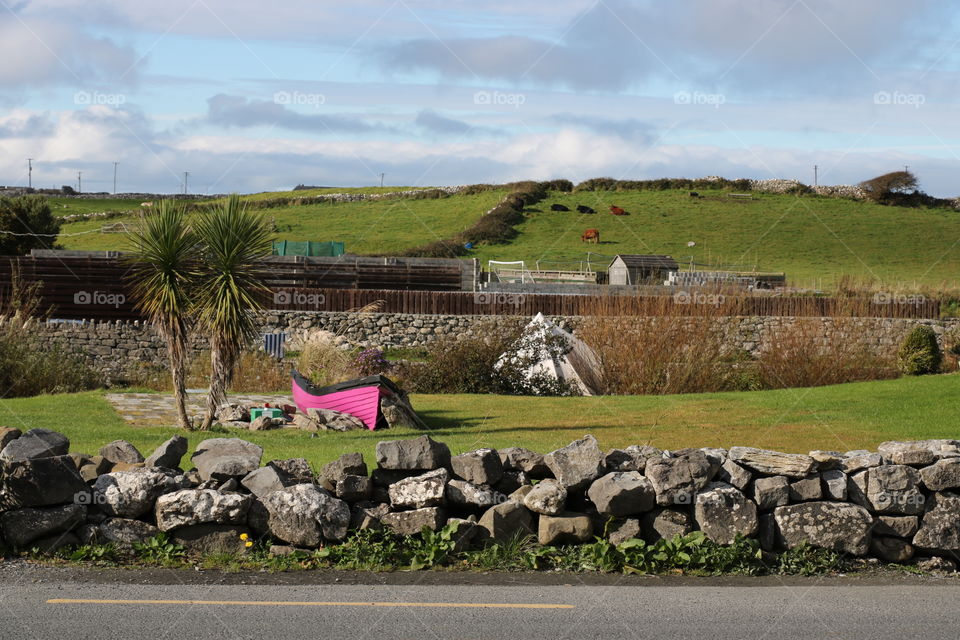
column 158, row 408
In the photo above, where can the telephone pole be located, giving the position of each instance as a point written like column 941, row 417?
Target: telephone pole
column 381, row 179
column 115, row 177
column 30, row 173
column 79, row 182
column 186, row 176
column 815, row 168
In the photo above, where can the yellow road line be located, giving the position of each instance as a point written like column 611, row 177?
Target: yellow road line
column 296, row 603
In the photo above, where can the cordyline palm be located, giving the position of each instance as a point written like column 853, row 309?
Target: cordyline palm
column 234, row 241
column 163, row 272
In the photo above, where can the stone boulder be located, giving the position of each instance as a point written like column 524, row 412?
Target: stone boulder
column 482, row 466
column 855, row 461
column 894, row 489
column 771, row 492
column 677, row 480
column 939, row 531
column 348, row 464
column 625, row 530
column 506, row 520
column 200, row 506
column 131, row 494
column 908, row 453
column 36, row 443
column 547, row 497
column 665, row 523
column 525, row 460
column 896, row 526
column 223, row 458
column 121, row 451
column 831, row 525
column 834, row 484
column 169, row 453
column 945, row 474
column 565, row 528
column 466, row 495
column 230, row 412
column 8, row 435
column 330, row 420
column 211, row 538
column 578, row 464
column 126, row 531
column 622, row 493
column 266, row 480
column 408, row 523
column 418, row 454
column 265, row 423
column 305, row 515
column 354, row 488
column 734, row 475
column 633, row 458
column 41, row 482
column 722, row 512
column 22, row 526
column 773, row 463
column 367, row 516
column 426, row 490
column 297, row 469
column 807, row 489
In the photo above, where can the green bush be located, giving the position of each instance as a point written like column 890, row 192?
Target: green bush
column 919, row 352
column 26, row 215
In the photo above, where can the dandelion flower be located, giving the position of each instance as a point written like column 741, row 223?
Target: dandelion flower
column 244, row 537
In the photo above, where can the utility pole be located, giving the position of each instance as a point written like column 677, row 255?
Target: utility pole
column 906, row 168
column 115, row 177
column 30, row 173
column 79, row 182
column 186, row 176
column 381, row 179
column 815, row 168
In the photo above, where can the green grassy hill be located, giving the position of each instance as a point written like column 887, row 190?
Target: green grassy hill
column 815, row 240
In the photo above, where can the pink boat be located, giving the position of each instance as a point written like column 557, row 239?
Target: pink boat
column 360, row 397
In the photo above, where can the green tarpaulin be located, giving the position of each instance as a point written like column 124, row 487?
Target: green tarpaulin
column 307, row 248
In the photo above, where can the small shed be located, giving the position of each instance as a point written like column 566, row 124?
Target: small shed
column 639, row 269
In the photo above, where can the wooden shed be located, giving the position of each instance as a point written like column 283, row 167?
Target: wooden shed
column 640, row 269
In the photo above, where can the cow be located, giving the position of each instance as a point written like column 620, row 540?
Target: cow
column 591, row 235
column 584, row 209
column 617, row 211
column 694, row 194
column 558, row 207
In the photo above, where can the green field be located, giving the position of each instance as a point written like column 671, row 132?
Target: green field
column 815, row 240
column 72, row 206
column 842, row 417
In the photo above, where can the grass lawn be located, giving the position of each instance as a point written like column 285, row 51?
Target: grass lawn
column 842, row 417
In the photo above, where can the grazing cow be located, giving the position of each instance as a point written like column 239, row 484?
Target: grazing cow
column 617, row 211
column 694, row 194
column 558, row 207
column 584, row 209
column 591, row 235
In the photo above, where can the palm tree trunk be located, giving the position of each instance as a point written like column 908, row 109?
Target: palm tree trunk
column 221, row 368
column 176, row 354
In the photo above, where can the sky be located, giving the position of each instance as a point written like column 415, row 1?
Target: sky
column 250, row 96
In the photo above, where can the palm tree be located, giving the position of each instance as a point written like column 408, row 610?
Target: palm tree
column 234, row 241
column 163, row 271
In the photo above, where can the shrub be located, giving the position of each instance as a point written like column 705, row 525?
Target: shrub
column 26, row 215
column 880, row 188
column 370, row 362
column 919, row 352
column 323, row 362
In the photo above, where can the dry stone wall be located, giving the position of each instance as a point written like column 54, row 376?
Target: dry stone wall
column 899, row 504
column 120, row 349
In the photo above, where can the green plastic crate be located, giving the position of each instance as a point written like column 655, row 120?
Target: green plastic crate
column 269, row 412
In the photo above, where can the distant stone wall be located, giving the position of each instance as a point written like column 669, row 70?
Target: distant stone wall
column 121, row 348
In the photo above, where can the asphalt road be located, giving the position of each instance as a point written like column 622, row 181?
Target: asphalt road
column 63, row 606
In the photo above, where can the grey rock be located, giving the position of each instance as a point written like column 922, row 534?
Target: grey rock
column 121, row 451
column 936, row 564
column 126, row 530
column 408, row 523
column 722, row 512
column 865, row 460
column 939, row 531
column 519, row 495
column 857, row 488
column 131, row 494
column 265, row 423
column 368, row 517
column 211, row 538
column 8, row 435
column 576, row 465
column 482, row 466
column 893, row 489
column 806, row 489
column 169, row 453
column 427, row 490
column 418, row 454
column 525, row 460
column 467, row 531
column 827, row 460
column 22, row 526
column 88, row 533
column 622, row 493
column 297, row 470
column 665, row 523
column 265, row 480
column 896, row 526
column 506, row 520
column 512, row 481
column 354, row 488
column 305, row 515
column 200, row 506
column 625, row 530
column 229, row 412
column 36, row 443
column 773, row 463
column 564, row 528
column 348, row 464
column 330, row 420
column 891, row 549
column 677, row 480
column 633, row 458
column 767, row 532
column 40, row 482
column 548, row 497
column 834, row 484
column 771, row 492
column 908, row 453
column 830, row 525
column 466, row 495
column 733, row 474
column 386, row 477
column 223, row 458
column 945, row 474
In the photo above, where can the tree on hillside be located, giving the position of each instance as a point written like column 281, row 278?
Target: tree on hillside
column 234, row 240
column 882, row 187
column 26, row 223
column 164, row 276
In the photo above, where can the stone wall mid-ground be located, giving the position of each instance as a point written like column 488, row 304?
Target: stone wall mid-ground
column 120, row 349
column 898, row 504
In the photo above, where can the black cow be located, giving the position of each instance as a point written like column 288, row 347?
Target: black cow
column 584, row 209
column 694, row 194
column 558, row 207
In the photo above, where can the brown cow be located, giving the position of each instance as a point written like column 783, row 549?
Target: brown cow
column 591, row 235
column 617, row 211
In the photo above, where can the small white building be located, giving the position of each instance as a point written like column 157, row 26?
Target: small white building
column 641, row 269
